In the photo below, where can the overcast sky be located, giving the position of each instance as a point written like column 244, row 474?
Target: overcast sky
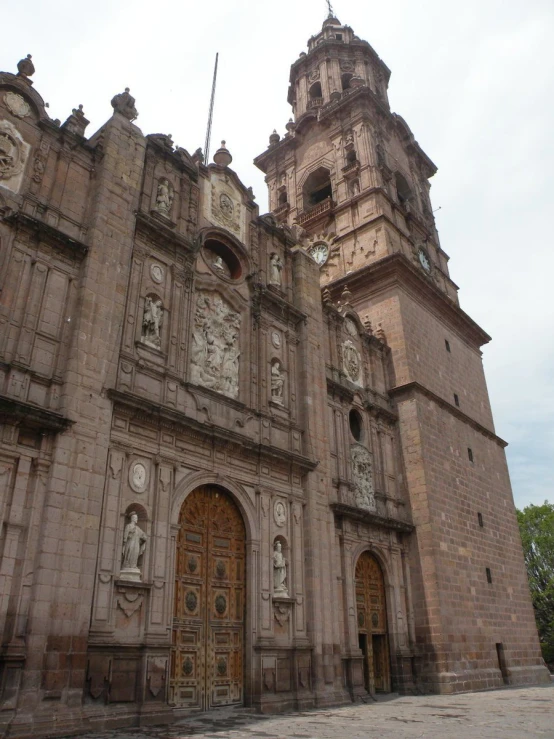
column 473, row 80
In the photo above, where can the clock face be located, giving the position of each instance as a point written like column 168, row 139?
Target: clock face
column 319, row 252
column 424, row 260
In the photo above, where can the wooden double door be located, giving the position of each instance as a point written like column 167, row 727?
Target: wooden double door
column 207, row 661
column 372, row 623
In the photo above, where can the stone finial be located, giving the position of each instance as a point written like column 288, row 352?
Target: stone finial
column 25, row 67
column 76, row 123
column 291, row 125
column 367, row 324
column 274, row 138
column 326, row 296
column 223, row 156
column 346, row 296
column 124, row 103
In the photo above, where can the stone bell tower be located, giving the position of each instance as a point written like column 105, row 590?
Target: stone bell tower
column 353, row 183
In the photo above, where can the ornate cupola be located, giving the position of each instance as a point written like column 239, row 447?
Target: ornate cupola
column 337, row 61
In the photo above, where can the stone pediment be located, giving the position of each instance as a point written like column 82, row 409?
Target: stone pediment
column 224, row 204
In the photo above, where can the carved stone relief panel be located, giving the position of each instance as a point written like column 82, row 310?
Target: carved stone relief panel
column 351, row 362
column 350, row 327
column 14, row 152
column 17, row 105
column 215, row 345
column 362, row 477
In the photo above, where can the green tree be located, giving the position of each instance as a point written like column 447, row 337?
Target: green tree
column 536, row 525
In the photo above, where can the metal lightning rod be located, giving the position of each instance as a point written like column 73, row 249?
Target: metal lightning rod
column 210, row 116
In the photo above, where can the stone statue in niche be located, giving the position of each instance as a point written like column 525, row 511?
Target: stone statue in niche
column 355, row 187
column 279, row 572
column 219, row 264
column 275, row 269
column 164, row 197
column 277, row 382
column 152, row 321
column 134, row 544
column 215, row 350
column 362, row 477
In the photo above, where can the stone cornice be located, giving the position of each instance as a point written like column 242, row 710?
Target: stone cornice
column 357, row 514
column 31, row 416
column 411, row 388
column 158, row 230
column 48, row 233
column 264, row 297
column 397, row 269
column 157, row 413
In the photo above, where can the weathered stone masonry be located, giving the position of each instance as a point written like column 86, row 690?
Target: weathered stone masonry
column 242, row 457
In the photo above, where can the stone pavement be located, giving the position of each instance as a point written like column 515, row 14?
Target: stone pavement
column 512, row 713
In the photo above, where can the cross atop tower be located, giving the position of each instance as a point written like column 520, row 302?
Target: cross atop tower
column 331, row 11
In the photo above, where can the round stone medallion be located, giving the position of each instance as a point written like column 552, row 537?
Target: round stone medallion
column 157, row 273
column 16, row 105
column 138, row 477
column 279, row 513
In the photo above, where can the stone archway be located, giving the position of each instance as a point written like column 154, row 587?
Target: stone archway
column 207, row 655
column 371, row 616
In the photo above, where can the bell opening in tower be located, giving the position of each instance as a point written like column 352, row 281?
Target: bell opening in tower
column 317, row 188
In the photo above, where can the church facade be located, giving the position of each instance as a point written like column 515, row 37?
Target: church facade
column 244, row 460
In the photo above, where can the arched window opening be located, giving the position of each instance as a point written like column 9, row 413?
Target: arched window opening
column 345, row 81
column 317, row 188
column 222, row 258
column 351, row 156
column 402, row 189
column 283, row 198
column 356, row 424
column 315, row 91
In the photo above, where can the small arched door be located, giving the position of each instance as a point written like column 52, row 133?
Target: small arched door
column 372, row 623
column 207, row 660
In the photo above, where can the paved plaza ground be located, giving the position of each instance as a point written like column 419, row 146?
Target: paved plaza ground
column 512, row 713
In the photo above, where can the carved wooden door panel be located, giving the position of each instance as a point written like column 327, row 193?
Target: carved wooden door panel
column 372, row 621
column 208, row 627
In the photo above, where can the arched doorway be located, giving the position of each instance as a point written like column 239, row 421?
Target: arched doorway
column 372, row 623
column 207, row 656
